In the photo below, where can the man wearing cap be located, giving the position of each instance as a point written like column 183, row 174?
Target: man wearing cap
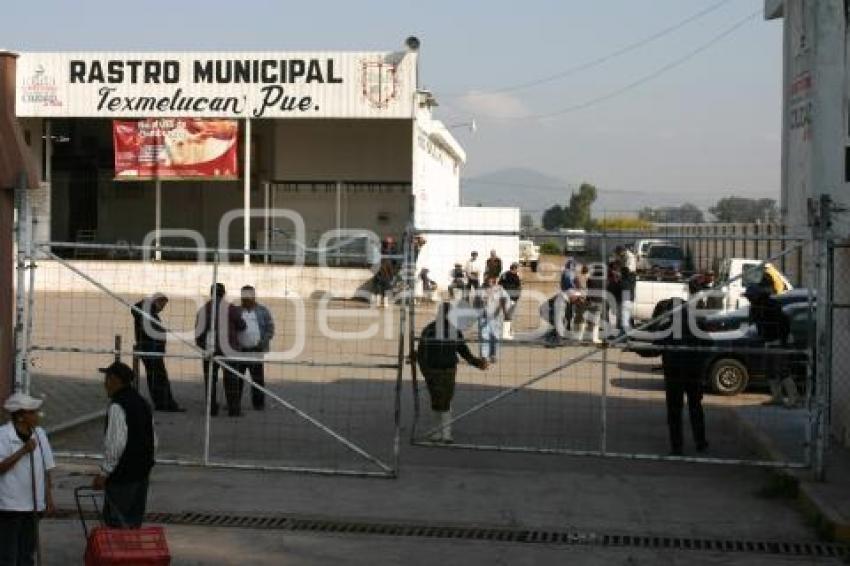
column 150, row 339
column 254, row 342
column 25, row 487
column 128, row 450
column 220, row 338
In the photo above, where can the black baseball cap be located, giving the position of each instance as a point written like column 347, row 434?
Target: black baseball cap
column 120, row 370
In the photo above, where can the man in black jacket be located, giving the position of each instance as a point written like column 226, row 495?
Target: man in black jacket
column 512, row 284
column 150, row 339
column 681, row 378
column 128, row 450
column 439, row 347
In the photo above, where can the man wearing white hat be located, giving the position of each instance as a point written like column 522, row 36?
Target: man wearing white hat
column 25, row 487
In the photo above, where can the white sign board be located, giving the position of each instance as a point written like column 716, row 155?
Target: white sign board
column 216, row 85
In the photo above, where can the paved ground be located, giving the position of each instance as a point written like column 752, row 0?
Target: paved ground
column 586, row 495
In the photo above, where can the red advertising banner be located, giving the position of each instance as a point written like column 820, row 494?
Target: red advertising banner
column 175, row 148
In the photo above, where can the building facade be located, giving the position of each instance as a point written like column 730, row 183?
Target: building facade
column 816, row 163
column 345, row 140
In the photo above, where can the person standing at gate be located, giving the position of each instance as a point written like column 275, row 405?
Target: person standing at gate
column 128, row 450
column 512, row 284
column 254, row 341
column 491, row 301
column 680, row 379
column 26, row 492
column 628, row 283
column 493, row 265
column 440, row 345
column 473, row 271
column 773, row 328
column 150, row 339
column 567, row 284
column 224, row 341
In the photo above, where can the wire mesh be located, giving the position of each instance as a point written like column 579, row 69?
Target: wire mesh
column 324, row 403
column 559, row 385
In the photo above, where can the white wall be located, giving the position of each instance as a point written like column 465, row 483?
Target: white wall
column 816, row 86
column 442, row 251
column 194, row 279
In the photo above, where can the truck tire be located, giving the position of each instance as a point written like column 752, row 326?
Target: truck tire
column 533, row 266
column 728, row 377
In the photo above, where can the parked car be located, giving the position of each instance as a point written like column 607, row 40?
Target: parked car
column 649, row 291
column 575, row 241
column 750, row 271
column 529, row 254
column 711, row 321
column 663, row 259
column 727, row 370
column 641, row 248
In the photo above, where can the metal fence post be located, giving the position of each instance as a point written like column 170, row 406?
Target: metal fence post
column 20, row 333
column 603, row 409
column 823, row 375
column 30, row 291
column 210, row 361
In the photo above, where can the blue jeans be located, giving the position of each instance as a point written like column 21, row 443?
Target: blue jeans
column 490, row 331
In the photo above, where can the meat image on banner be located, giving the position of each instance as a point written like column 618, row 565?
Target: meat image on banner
column 173, row 149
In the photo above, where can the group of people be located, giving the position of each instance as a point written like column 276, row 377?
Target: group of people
column 237, row 336
column 26, row 462
column 592, row 297
column 492, row 293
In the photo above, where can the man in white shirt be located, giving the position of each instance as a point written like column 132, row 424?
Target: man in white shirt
column 254, row 342
column 473, row 270
column 25, row 487
column 128, row 450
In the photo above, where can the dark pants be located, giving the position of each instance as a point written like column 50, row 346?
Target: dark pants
column 232, row 387
column 472, row 285
column 675, row 389
column 159, row 386
column 124, row 504
column 441, row 387
column 256, row 370
column 17, row 538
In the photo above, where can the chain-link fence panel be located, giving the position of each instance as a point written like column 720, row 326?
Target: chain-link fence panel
column 622, row 348
column 258, row 363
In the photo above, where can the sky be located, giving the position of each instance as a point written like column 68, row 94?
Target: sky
column 711, row 122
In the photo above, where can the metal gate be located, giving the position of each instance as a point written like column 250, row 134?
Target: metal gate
column 332, row 377
column 552, row 390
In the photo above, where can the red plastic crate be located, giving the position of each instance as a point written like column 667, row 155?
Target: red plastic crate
column 145, row 547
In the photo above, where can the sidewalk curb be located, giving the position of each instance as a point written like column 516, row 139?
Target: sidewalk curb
column 825, row 518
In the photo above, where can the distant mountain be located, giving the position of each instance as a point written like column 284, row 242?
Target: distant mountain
column 534, row 192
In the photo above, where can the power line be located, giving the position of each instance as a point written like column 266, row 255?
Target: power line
column 639, row 82
column 603, row 59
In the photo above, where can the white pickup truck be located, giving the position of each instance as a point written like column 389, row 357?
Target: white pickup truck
column 649, row 293
column 529, row 254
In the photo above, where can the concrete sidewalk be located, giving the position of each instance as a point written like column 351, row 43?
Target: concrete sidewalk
column 826, row 503
column 461, row 488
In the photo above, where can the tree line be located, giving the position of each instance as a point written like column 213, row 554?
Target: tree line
column 577, row 213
